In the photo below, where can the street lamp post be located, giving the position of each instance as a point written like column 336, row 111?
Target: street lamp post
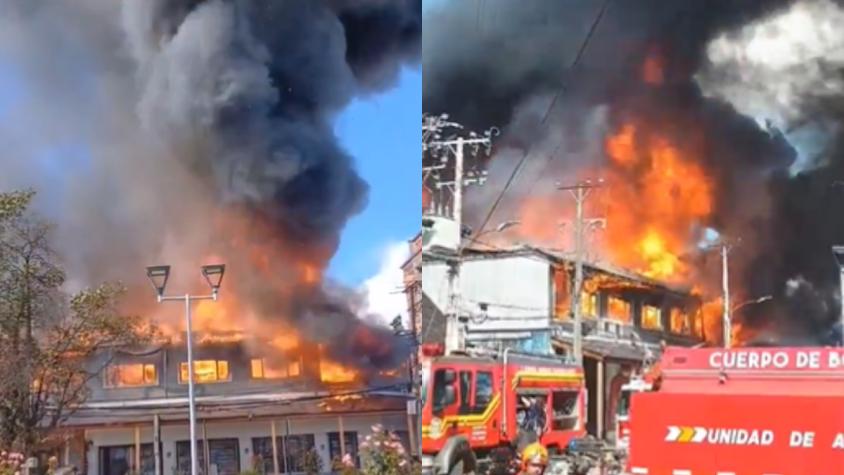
column 158, row 276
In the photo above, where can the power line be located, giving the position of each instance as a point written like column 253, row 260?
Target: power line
column 562, row 89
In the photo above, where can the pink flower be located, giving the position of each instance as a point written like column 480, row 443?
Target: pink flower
column 377, row 428
column 347, row 460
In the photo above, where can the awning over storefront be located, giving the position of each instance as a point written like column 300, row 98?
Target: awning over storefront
column 603, row 349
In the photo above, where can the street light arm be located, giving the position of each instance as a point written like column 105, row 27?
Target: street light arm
column 751, row 302
column 181, row 298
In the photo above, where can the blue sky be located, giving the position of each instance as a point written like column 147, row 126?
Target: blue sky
column 383, row 134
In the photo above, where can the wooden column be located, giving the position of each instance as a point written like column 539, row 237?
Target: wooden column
column 342, row 436
column 411, row 427
column 205, row 450
column 156, row 443
column 600, row 402
column 137, row 449
column 275, row 447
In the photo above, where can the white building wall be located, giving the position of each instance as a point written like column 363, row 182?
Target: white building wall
column 244, row 431
column 517, row 290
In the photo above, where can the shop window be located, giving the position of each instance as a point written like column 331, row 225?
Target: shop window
column 120, row 460
column 260, row 369
column 351, row 441
column 618, row 309
column 651, row 317
column 206, row 371
column 223, row 456
column 130, row 375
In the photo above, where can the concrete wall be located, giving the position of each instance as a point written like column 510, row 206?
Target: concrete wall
column 244, row 431
column 516, row 289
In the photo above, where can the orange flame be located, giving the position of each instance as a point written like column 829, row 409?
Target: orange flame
column 656, row 200
column 242, row 316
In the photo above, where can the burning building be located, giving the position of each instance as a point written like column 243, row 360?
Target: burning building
column 208, row 136
column 520, row 298
column 134, row 418
column 696, row 131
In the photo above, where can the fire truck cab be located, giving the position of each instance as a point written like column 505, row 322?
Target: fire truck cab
column 743, row 411
column 473, row 404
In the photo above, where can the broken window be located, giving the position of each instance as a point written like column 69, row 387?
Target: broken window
column 206, row 371
column 130, row 375
column 562, row 298
column 589, row 304
column 697, row 325
column 651, row 317
column 564, row 407
column 618, row 309
column 261, row 369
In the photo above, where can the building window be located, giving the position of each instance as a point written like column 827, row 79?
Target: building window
column 589, row 304
column 618, row 309
column 651, row 317
column 260, row 369
column 120, row 460
column 206, row 371
column 562, row 298
column 295, row 447
column 697, row 324
column 680, row 322
column 262, row 456
column 351, row 441
column 290, row 454
column 224, row 454
column 130, row 375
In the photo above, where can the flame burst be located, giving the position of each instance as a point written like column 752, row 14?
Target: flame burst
column 255, row 309
column 657, row 198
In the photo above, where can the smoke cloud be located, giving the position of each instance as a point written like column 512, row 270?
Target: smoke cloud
column 184, row 131
column 728, row 83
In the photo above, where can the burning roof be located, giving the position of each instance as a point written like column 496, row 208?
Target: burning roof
column 616, row 275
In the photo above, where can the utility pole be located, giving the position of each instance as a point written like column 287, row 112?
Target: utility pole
column 580, row 192
column 442, row 149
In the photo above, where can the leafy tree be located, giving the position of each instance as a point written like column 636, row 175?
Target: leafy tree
column 47, row 336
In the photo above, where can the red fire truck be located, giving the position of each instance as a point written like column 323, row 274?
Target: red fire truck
column 637, row 384
column 742, row 411
column 473, row 404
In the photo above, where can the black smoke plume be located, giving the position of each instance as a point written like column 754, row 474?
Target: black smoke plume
column 498, row 63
